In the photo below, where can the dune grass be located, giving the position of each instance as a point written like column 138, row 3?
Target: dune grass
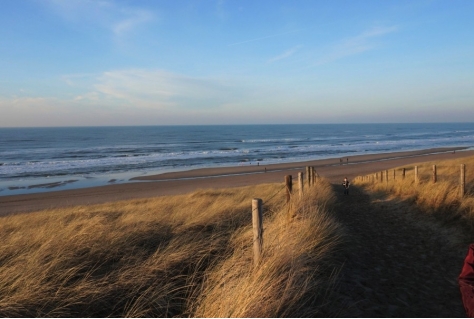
column 441, row 198
column 187, row 255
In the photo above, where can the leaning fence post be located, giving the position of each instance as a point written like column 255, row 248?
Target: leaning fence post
column 301, row 183
column 416, row 175
column 257, row 225
column 463, row 180
column 434, row 174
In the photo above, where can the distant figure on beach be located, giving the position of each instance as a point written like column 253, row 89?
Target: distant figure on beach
column 340, row 161
column 347, row 159
column 346, row 184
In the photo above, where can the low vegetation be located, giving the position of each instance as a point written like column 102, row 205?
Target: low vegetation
column 188, row 255
column 441, row 198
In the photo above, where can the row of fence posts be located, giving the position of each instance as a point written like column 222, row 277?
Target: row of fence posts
column 257, row 209
column 376, row 177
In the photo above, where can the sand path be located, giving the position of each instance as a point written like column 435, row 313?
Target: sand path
column 397, row 262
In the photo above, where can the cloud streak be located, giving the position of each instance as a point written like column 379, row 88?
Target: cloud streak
column 116, row 18
column 285, row 55
column 159, row 89
column 355, row 45
column 262, row 38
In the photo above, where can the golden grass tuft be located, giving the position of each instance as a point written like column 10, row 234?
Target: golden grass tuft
column 441, row 198
column 294, row 275
column 187, row 255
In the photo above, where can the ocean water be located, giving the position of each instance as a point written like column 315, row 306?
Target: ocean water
column 45, row 159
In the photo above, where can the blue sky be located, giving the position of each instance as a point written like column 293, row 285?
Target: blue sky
column 106, row 62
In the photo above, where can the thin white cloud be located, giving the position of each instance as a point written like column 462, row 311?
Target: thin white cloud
column 133, row 18
column 355, row 45
column 159, row 89
column 285, row 55
column 262, row 38
column 115, row 17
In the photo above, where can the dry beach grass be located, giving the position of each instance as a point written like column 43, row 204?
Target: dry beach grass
column 186, row 255
column 441, row 198
column 390, row 249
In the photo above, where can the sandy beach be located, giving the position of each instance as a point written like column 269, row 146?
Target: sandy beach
column 334, row 169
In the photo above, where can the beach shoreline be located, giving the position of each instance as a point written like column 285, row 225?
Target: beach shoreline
column 262, row 167
column 183, row 182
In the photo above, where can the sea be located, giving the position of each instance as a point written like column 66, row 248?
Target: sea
column 46, row 159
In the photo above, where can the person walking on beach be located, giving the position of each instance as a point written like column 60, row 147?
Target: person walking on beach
column 346, row 184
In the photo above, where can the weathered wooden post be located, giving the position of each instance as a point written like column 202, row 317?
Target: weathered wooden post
column 301, row 183
column 381, row 176
column 463, row 180
column 434, row 174
column 289, row 187
column 307, row 176
column 416, row 175
column 394, row 174
column 403, row 173
column 386, row 176
column 311, row 175
column 257, row 225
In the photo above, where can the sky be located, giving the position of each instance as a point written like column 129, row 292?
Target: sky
column 180, row 62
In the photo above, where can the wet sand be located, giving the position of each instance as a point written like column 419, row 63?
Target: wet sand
column 187, row 181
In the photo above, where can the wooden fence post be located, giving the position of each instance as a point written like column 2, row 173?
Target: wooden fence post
column 394, row 174
column 403, row 173
column 386, row 176
column 434, row 174
column 257, row 225
column 307, row 176
column 381, row 176
column 301, row 183
column 416, row 175
column 463, row 180
column 289, row 187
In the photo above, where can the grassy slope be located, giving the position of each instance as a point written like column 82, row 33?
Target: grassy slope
column 442, row 198
column 188, row 255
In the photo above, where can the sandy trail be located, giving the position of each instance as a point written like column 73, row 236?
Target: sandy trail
column 397, row 262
